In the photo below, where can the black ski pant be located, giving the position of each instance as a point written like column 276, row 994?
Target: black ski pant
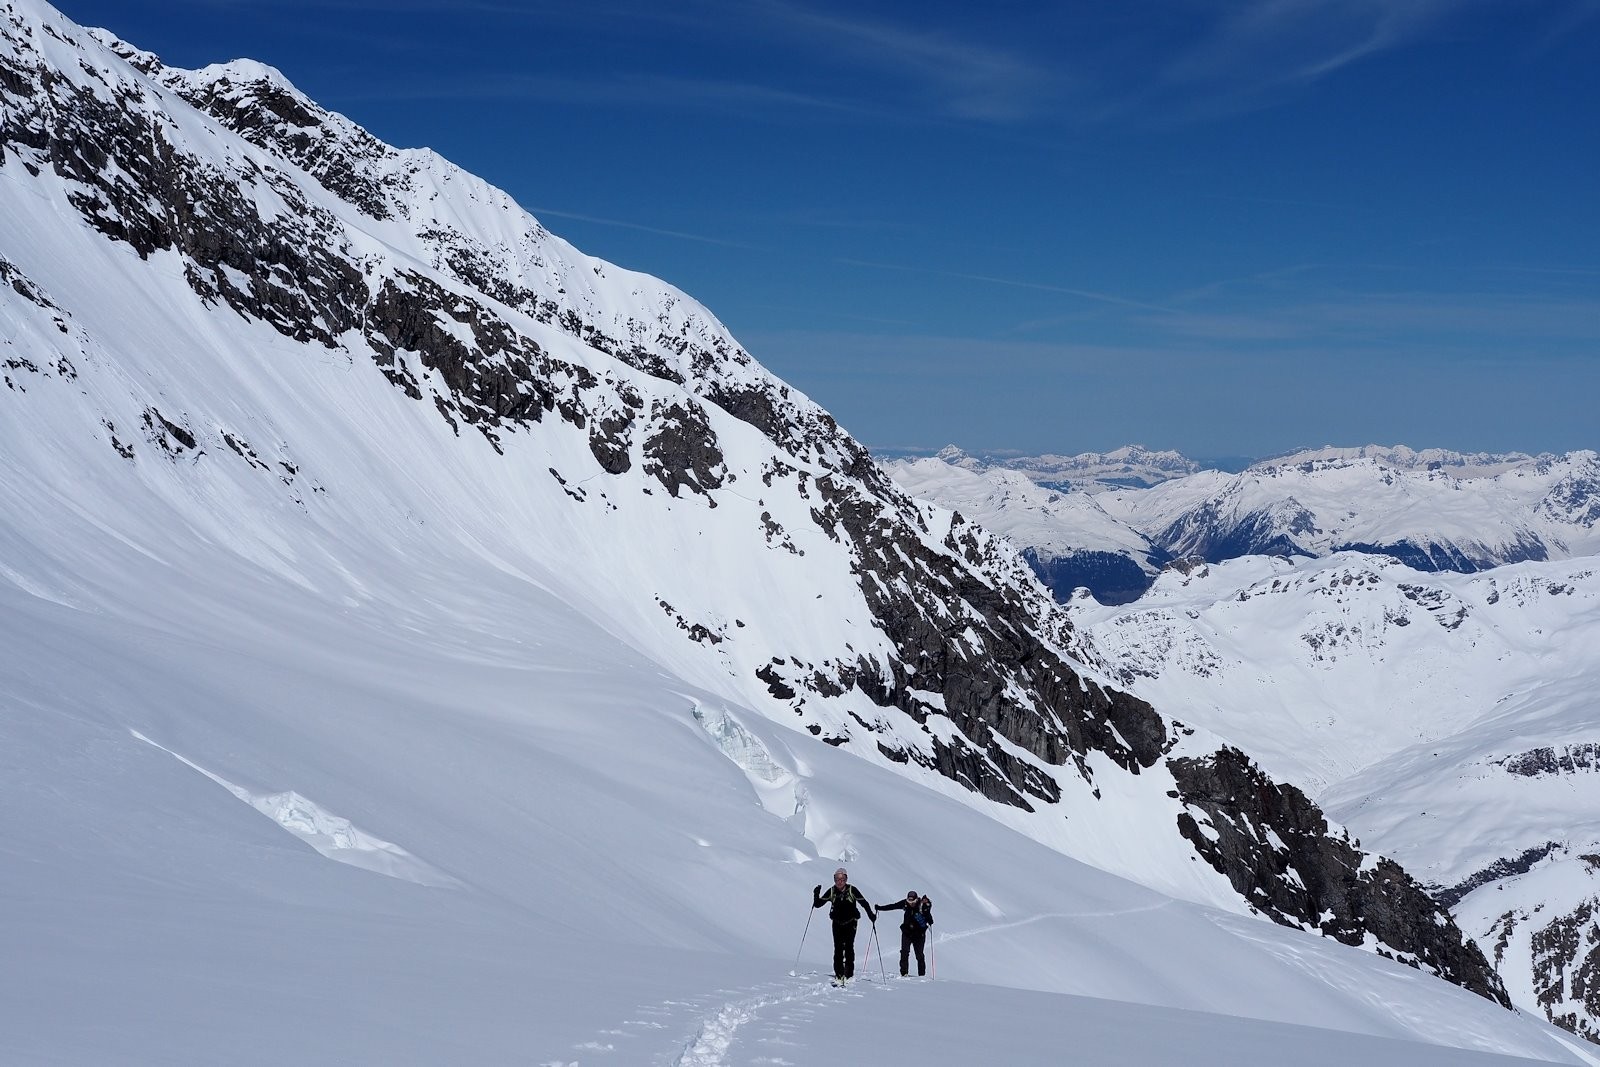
column 912, row 939
column 844, row 949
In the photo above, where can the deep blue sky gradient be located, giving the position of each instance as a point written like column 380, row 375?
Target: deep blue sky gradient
column 1229, row 227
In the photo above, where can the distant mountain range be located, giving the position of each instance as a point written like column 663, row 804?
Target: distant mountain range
column 1132, row 466
column 1109, row 522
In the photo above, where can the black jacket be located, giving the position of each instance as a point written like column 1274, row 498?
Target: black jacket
column 844, row 903
column 918, row 916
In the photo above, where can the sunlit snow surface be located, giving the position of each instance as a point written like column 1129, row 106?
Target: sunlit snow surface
column 623, row 897
column 420, row 654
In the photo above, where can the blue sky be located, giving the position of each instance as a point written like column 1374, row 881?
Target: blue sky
column 1229, row 227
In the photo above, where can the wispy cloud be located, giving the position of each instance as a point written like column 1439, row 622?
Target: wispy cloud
column 1253, row 54
column 1481, row 322
column 1265, row 43
column 966, row 78
column 598, row 221
column 1083, row 294
column 626, row 91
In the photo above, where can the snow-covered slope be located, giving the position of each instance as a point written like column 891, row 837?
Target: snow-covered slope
column 1449, row 720
column 581, row 869
column 349, row 516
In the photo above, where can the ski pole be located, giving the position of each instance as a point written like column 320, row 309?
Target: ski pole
column 796, row 968
column 933, row 957
column 881, row 971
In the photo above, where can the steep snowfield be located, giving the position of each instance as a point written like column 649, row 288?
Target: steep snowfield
column 401, row 664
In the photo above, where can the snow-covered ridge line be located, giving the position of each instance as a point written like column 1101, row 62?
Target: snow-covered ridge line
column 478, row 235
column 1464, row 465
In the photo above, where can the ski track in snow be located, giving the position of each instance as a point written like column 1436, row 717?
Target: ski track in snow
column 713, row 1024
column 941, row 938
column 719, row 1029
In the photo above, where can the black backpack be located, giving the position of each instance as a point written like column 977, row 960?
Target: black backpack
column 844, row 907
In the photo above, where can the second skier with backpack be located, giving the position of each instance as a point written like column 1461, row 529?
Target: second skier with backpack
column 913, row 929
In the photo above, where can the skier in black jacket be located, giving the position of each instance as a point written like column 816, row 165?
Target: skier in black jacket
column 843, row 897
column 913, row 929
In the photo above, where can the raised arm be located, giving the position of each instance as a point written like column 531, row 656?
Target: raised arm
column 817, row 899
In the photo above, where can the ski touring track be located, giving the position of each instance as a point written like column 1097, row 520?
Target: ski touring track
column 700, row 1032
column 941, row 938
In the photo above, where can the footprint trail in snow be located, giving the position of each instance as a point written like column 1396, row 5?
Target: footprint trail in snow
column 765, row 1023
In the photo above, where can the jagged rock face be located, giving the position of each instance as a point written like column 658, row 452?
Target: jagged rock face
column 675, row 343
column 1277, row 849
column 1564, row 946
column 978, row 660
column 1550, row 760
column 1505, row 867
column 1566, row 960
column 968, row 637
column 1575, row 499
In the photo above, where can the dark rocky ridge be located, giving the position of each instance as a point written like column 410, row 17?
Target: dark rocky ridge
column 1315, row 878
column 967, row 622
column 1522, row 863
column 1568, row 759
